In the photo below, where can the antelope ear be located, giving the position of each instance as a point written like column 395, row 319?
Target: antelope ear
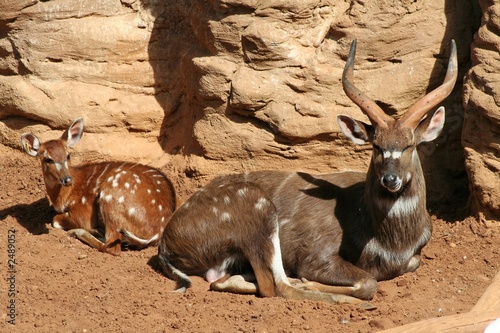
column 357, row 131
column 430, row 128
column 74, row 133
column 30, row 144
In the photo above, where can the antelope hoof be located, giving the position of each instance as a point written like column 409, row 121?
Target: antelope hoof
column 413, row 264
column 367, row 306
column 352, row 300
column 180, row 290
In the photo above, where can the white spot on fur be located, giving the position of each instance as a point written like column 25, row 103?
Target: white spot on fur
column 108, row 197
column 162, row 219
column 153, row 201
column 158, row 182
column 84, row 200
column 149, row 191
column 242, row 191
column 227, row 200
column 127, row 185
column 225, row 217
column 121, row 199
column 158, row 190
column 215, row 210
column 110, row 179
column 115, row 180
column 131, row 211
column 261, row 203
column 160, row 208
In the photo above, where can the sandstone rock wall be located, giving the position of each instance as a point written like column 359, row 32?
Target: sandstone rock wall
column 229, row 85
column 481, row 133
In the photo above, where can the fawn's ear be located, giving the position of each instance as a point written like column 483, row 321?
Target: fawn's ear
column 430, row 128
column 74, row 133
column 30, row 144
column 359, row 132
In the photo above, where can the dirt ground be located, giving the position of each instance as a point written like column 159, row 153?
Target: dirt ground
column 58, row 284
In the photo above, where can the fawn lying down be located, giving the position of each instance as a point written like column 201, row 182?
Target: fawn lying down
column 105, row 204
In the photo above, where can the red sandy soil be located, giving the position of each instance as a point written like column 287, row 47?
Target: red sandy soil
column 62, row 285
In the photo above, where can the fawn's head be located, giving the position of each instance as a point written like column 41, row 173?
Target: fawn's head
column 54, row 155
column 395, row 158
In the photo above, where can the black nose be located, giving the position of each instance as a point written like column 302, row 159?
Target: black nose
column 389, row 180
column 66, row 181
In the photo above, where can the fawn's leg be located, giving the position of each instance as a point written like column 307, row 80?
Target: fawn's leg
column 89, row 239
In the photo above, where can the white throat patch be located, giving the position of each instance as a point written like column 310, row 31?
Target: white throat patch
column 403, row 207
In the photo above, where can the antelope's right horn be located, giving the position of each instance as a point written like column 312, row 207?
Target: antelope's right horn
column 376, row 115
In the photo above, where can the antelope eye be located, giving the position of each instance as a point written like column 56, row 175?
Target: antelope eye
column 378, row 148
column 68, row 158
column 48, row 160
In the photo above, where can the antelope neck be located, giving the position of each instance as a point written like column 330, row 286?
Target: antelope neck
column 384, row 206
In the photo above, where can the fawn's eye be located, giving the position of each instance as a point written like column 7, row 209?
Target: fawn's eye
column 48, row 160
column 68, row 158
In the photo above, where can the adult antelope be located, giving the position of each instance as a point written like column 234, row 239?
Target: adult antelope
column 125, row 203
column 341, row 232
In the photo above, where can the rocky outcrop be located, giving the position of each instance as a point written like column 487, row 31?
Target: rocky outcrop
column 229, row 85
column 481, row 133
